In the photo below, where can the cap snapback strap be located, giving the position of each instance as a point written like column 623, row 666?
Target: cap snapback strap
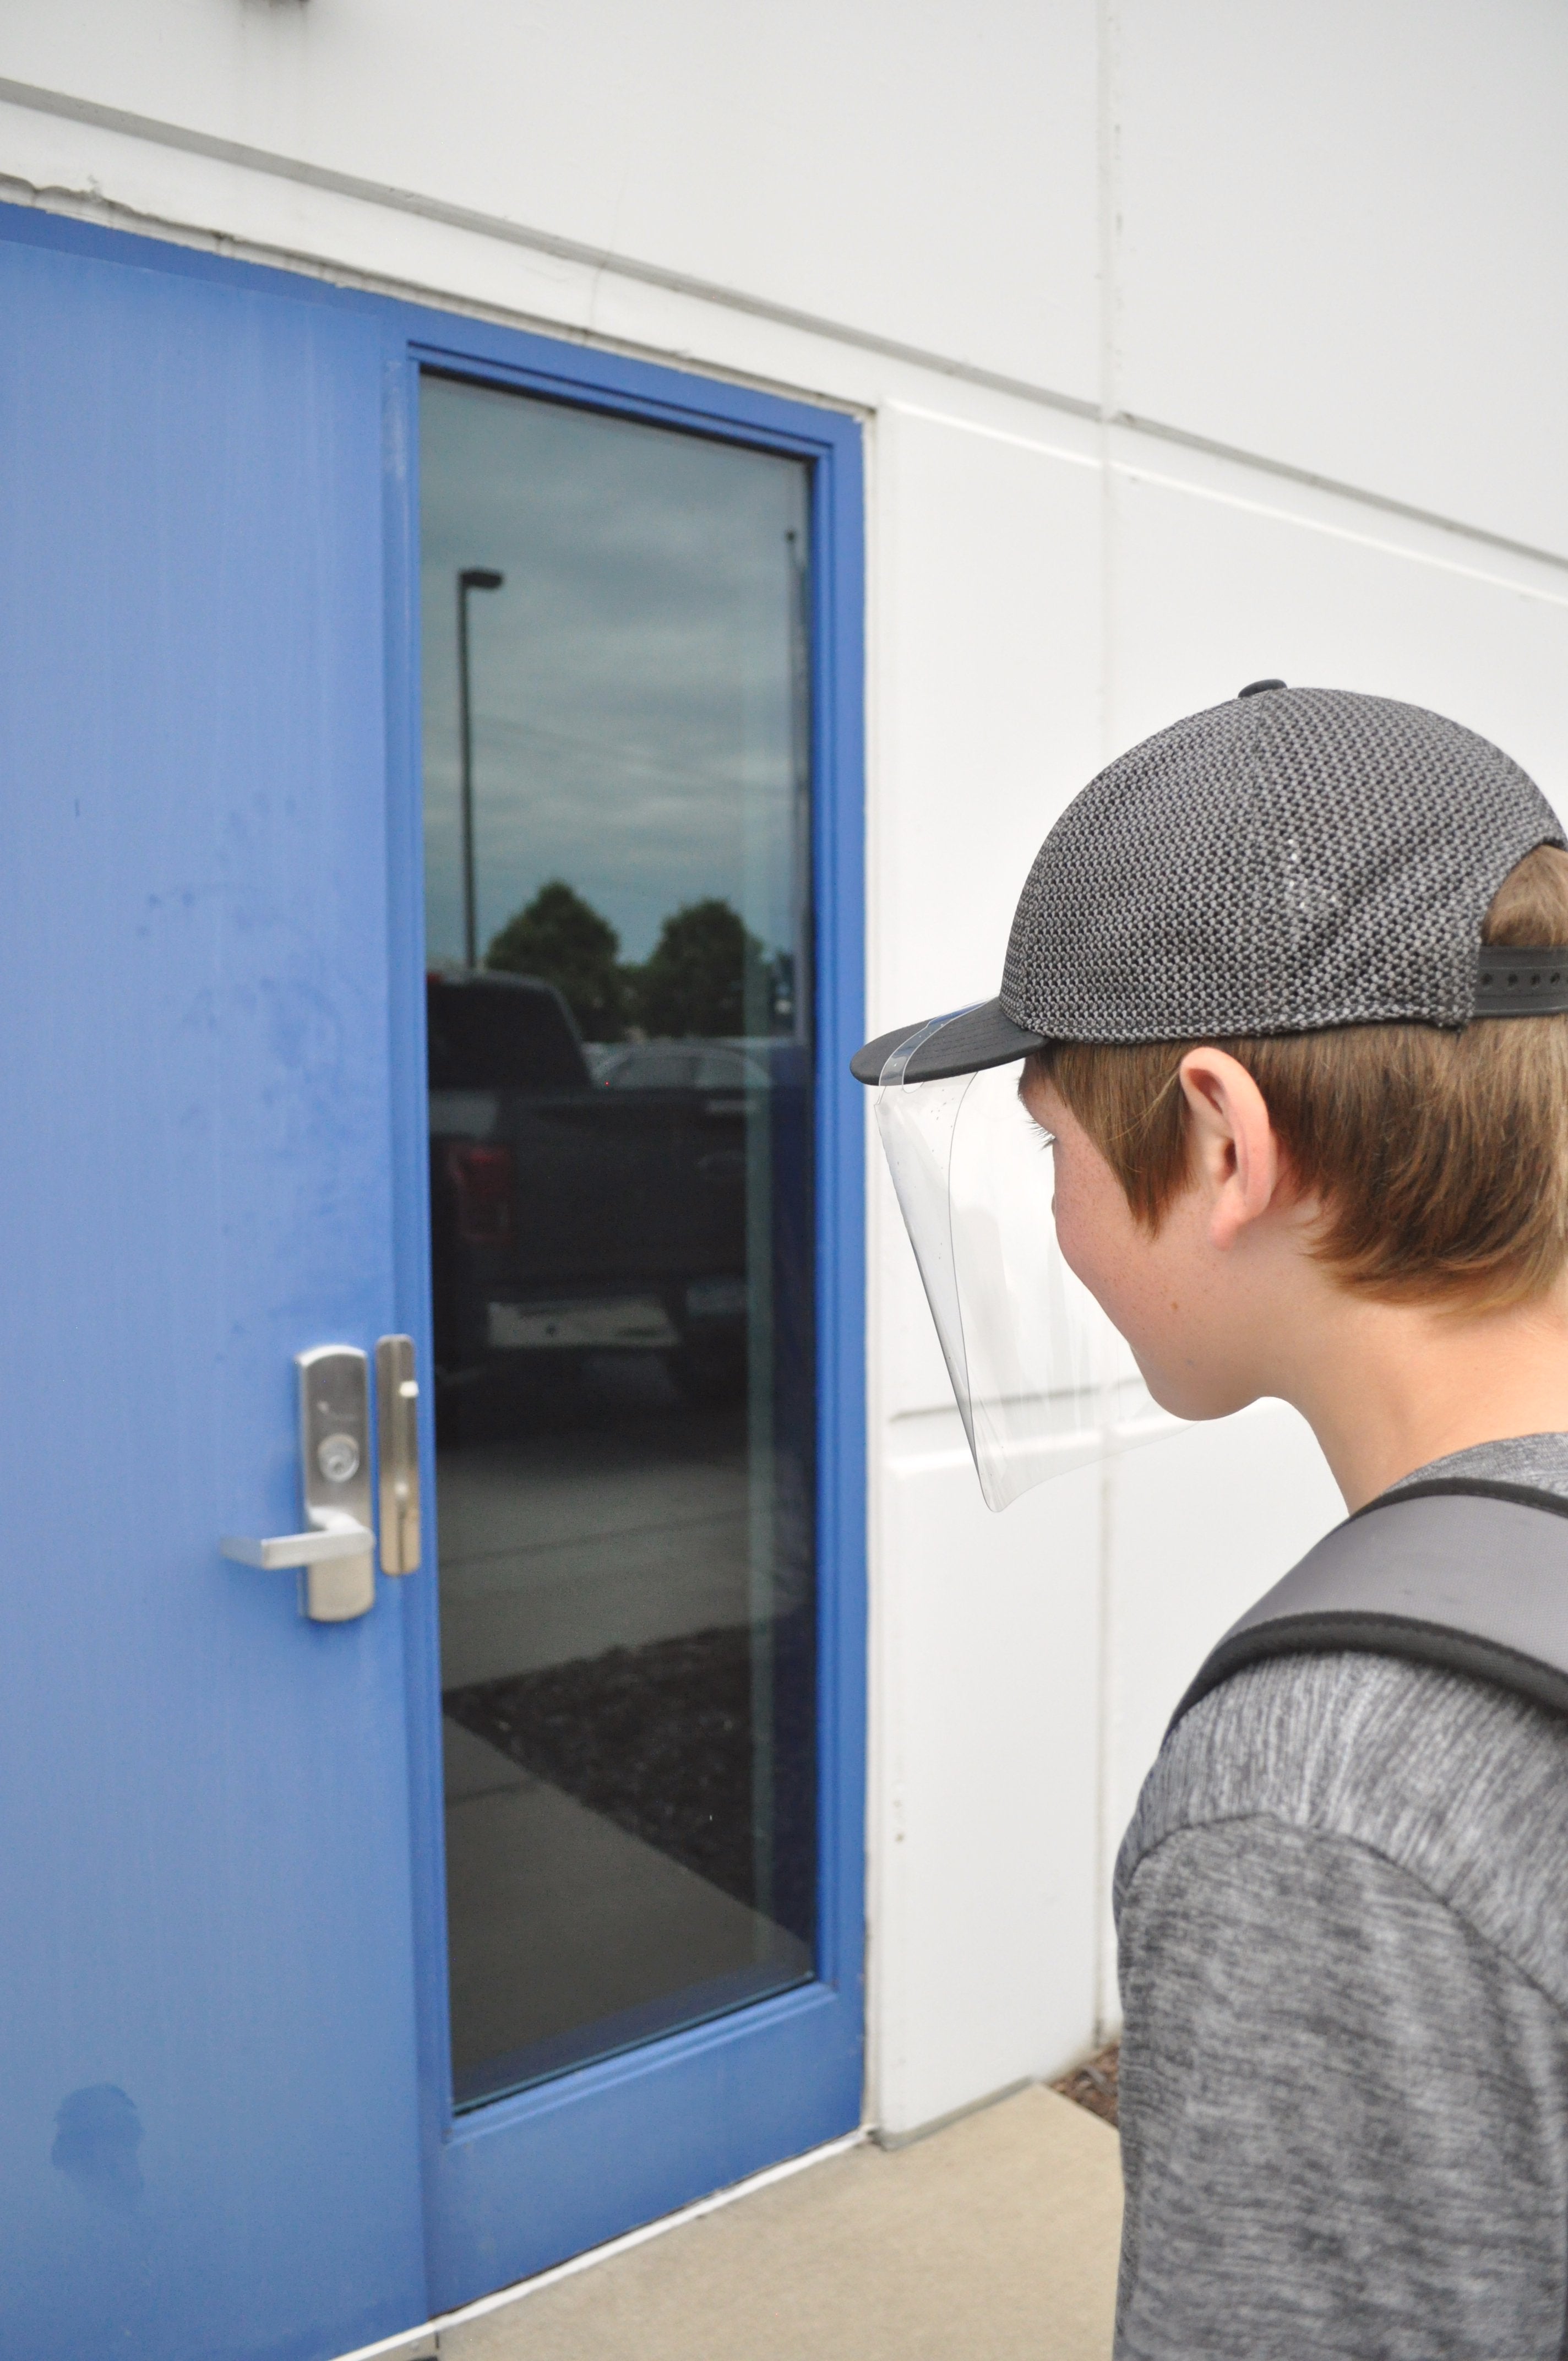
column 1521, row 980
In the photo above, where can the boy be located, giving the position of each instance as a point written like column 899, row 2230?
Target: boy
column 1295, row 1156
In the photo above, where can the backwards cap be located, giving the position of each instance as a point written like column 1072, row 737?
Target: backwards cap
column 1292, row 860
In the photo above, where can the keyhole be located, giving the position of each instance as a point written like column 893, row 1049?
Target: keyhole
column 337, row 1456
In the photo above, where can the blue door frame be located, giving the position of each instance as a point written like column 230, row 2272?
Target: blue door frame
column 630, row 2138
column 515, row 2186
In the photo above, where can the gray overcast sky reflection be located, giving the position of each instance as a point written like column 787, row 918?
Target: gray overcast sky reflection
column 634, row 682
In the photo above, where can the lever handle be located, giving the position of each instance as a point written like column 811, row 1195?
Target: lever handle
column 336, row 1554
column 318, row 1547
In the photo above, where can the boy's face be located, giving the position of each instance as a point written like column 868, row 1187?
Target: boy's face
column 1189, row 1310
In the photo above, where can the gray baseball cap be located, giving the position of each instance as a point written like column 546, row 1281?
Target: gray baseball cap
column 1292, row 860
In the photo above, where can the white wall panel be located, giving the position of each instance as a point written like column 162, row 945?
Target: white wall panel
column 983, row 1931
column 985, row 1628
column 987, row 668
column 1343, row 239
column 986, row 568
column 1214, row 583
column 926, row 174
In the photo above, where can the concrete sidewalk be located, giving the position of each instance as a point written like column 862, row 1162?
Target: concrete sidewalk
column 995, row 2239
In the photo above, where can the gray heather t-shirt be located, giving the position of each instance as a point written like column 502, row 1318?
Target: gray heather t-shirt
column 1342, row 1917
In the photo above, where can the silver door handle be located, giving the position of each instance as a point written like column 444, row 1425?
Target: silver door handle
column 318, row 1547
column 335, row 1553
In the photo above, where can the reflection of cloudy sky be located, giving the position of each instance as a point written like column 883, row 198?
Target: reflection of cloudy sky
column 632, row 683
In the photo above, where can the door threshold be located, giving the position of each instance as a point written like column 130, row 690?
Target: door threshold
column 425, row 2343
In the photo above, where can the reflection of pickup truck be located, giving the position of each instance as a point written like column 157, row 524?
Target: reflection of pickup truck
column 572, row 1215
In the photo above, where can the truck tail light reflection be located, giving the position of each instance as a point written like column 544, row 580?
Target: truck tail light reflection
column 484, row 1182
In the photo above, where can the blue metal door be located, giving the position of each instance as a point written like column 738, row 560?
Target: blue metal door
column 228, row 2116
column 208, row 2120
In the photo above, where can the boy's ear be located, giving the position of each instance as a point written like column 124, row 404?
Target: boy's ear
column 1235, row 1155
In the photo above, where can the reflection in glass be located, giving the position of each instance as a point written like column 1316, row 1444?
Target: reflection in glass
column 617, row 766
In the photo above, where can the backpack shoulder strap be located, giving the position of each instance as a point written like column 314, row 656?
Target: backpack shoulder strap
column 1467, row 1574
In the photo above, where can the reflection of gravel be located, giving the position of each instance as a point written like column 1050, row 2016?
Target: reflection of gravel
column 1094, row 2085
column 659, row 1739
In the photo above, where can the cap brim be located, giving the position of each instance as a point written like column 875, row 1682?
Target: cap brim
column 966, row 1044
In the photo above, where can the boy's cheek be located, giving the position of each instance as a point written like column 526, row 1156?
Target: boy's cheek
column 1073, row 1234
column 1099, row 1249
column 1124, row 1269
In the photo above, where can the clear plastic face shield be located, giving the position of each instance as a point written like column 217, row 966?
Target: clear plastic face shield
column 1042, row 1380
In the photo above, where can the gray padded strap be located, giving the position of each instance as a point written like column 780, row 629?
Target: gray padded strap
column 1470, row 1577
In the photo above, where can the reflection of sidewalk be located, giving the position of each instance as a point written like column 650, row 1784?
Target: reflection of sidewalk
column 661, row 1739
column 992, row 2239
column 559, row 1545
column 566, row 1920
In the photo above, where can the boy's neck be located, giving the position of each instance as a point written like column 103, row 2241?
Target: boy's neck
column 1388, row 1389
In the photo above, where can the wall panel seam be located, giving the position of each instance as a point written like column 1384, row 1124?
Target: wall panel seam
column 389, row 197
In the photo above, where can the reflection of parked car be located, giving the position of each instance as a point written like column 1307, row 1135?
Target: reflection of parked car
column 573, row 1215
column 680, row 1065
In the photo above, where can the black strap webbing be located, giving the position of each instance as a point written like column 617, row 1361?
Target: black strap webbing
column 1469, row 1576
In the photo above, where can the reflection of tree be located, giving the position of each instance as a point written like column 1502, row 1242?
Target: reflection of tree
column 705, row 975
column 563, row 940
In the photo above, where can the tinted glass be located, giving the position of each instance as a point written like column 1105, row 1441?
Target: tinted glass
column 617, row 730
column 516, row 1037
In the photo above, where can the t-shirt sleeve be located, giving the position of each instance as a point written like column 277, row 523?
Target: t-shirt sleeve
column 1345, row 2115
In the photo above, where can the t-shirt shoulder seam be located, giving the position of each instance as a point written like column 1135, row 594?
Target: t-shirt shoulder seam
column 1402, row 1869
column 1173, row 1793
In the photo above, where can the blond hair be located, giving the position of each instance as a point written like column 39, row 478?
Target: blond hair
column 1440, row 1159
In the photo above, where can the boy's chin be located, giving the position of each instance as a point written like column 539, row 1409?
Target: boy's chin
column 1196, row 1394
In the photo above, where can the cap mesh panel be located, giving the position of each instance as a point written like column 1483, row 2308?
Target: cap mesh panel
column 1278, row 865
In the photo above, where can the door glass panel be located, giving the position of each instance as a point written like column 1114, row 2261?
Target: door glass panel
column 617, row 784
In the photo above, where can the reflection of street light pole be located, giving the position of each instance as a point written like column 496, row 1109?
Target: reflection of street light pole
column 473, row 578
